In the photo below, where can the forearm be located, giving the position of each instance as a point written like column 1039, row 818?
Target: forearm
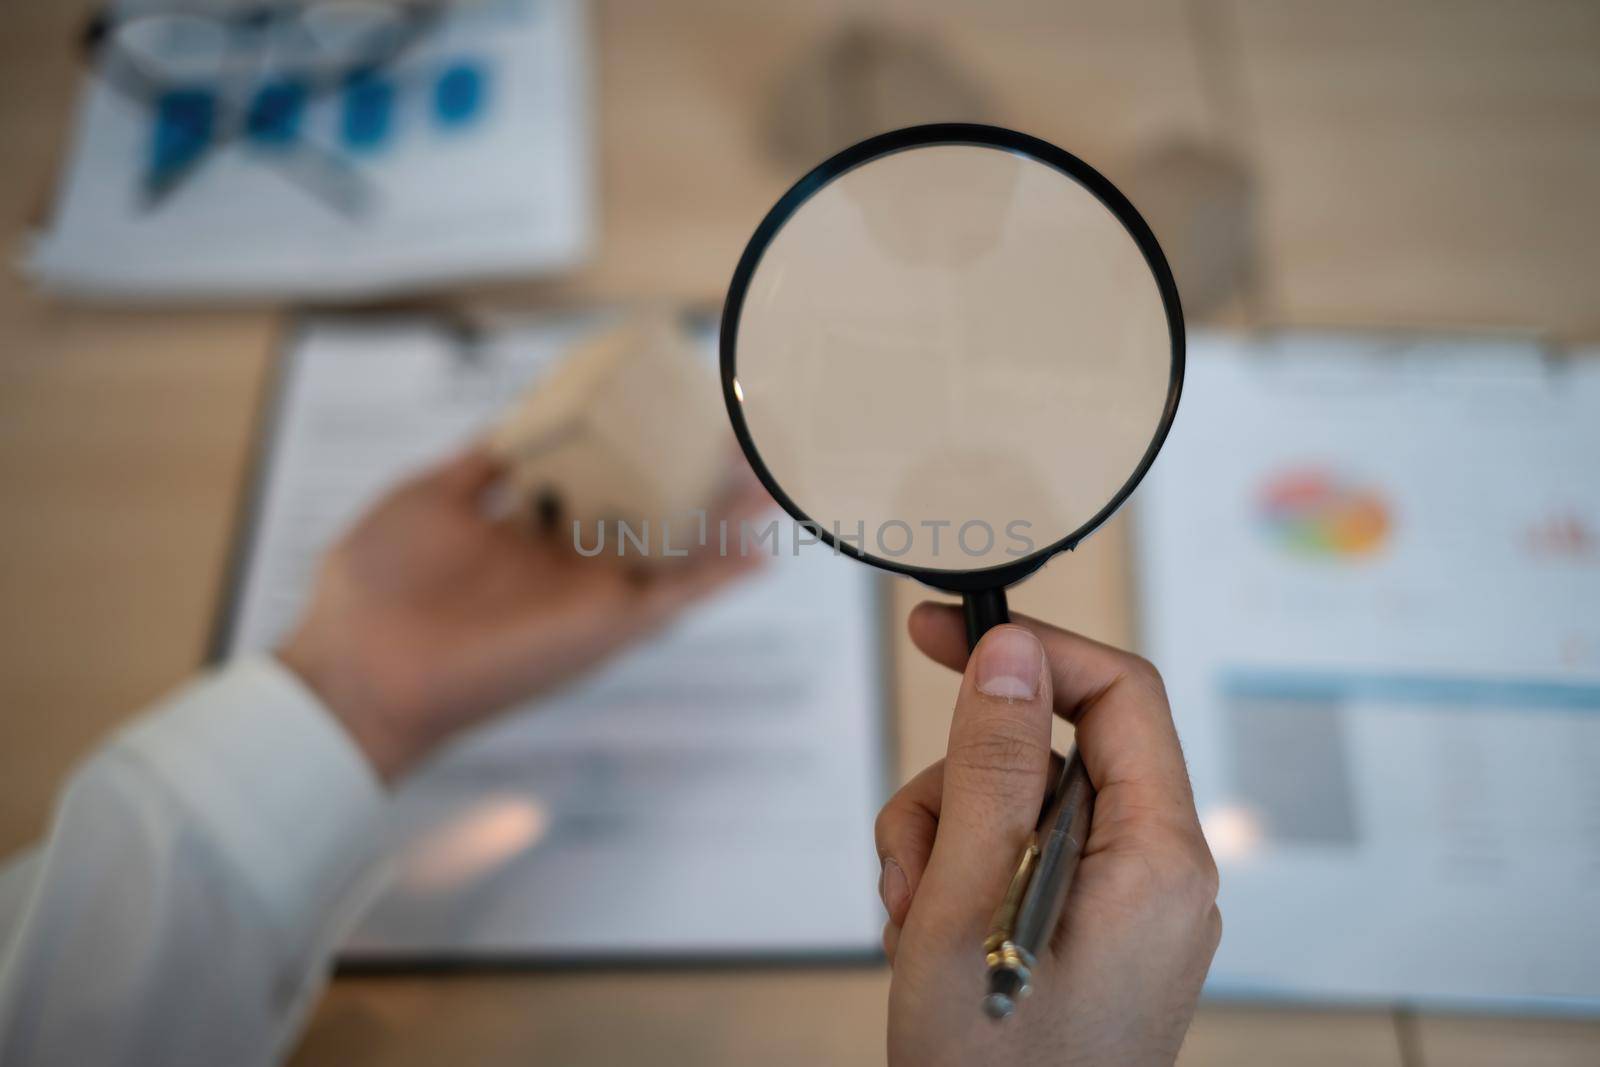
column 198, row 872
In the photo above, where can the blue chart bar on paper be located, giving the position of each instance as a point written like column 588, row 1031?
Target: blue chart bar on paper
column 275, row 117
column 185, row 125
column 1454, row 693
column 275, row 113
column 459, row 94
column 368, row 113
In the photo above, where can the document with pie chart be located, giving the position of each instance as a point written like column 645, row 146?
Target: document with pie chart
column 1370, row 573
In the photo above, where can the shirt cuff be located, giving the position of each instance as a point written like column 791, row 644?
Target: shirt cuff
column 280, row 787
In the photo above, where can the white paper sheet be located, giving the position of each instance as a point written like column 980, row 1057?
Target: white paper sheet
column 491, row 181
column 710, row 793
column 1371, row 578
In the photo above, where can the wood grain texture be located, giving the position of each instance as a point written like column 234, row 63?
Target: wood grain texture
column 1459, row 1041
column 790, row 1018
column 1425, row 160
column 1225, row 1035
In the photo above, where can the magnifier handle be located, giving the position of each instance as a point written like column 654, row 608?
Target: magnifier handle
column 1026, row 918
column 984, row 611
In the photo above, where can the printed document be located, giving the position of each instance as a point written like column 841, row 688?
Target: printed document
column 1370, row 573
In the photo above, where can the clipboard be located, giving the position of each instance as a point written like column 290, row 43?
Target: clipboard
column 1384, row 662
column 655, row 813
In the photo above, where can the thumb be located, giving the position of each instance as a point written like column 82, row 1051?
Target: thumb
column 465, row 474
column 995, row 779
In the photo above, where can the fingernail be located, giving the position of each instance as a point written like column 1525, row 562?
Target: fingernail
column 1010, row 661
column 893, row 887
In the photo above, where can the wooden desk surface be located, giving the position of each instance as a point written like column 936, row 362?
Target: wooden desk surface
column 1421, row 163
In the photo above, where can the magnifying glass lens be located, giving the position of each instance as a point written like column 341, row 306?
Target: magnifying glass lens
column 951, row 357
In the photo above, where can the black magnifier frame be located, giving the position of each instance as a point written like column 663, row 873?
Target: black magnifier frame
column 983, row 589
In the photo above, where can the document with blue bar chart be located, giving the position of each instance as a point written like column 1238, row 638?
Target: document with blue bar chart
column 1370, row 573
column 324, row 150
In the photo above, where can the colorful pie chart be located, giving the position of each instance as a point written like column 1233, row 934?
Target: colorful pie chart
column 1311, row 512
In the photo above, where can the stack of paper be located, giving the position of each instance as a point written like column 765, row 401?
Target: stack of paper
column 465, row 155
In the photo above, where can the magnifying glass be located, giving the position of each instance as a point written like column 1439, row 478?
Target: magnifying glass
column 952, row 352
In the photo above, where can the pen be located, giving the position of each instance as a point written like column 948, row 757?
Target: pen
column 1026, row 918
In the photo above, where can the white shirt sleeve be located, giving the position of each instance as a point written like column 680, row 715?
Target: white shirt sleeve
column 199, row 872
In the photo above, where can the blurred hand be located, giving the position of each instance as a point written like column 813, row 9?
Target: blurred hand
column 430, row 616
column 1119, row 981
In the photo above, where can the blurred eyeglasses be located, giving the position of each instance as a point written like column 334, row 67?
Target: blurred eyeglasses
column 213, row 73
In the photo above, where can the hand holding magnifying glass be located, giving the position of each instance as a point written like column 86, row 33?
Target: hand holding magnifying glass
column 1118, row 981
column 953, row 351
